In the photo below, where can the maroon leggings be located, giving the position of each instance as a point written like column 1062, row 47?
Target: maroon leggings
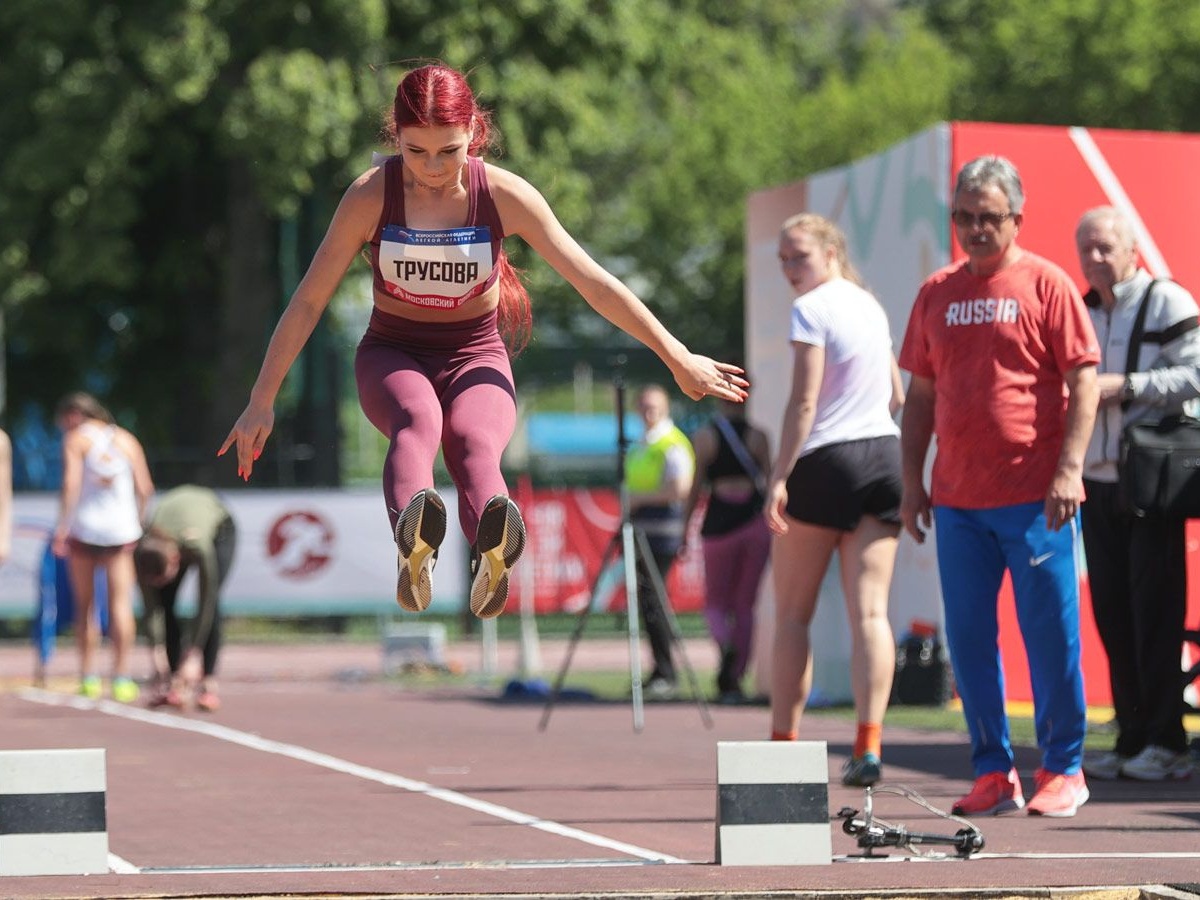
column 428, row 384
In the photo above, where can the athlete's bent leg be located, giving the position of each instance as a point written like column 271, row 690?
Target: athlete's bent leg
column 399, row 400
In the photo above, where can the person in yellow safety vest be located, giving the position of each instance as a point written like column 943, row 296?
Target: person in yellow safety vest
column 658, row 478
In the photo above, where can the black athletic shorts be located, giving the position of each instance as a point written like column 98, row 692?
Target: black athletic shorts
column 836, row 485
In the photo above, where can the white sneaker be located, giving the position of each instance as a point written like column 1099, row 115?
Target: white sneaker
column 1158, row 764
column 659, row 688
column 1105, row 765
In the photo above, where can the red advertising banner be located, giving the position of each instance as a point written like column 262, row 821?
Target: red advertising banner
column 570, row 547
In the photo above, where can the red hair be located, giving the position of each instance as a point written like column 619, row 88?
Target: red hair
column 439, row 96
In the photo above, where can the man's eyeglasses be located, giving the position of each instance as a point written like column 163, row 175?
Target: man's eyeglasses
column 964, row 219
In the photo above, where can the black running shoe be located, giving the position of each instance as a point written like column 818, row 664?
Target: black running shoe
column 419, row 533
column 499, row 542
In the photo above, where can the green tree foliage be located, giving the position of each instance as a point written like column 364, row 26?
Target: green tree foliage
column 149, row 151
column 646, row 125
column 1099, row 63
column 166, row 170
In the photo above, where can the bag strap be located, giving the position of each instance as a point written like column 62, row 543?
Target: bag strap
column 1135, row 337
column 739, row 450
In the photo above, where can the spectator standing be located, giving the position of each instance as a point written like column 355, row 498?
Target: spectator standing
column 835, row 485
column 433, row 369
column 1003, row 361
column 189, row 528
column 659, row 470
column 106, row 485
column 1137, row 567
column 733, row 458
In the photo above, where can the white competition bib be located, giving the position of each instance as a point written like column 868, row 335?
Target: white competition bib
column 443, row 268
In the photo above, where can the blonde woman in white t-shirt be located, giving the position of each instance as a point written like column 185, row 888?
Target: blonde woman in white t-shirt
column 105, row 487
column 835, row 484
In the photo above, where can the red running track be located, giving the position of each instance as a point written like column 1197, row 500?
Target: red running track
column 321, row 778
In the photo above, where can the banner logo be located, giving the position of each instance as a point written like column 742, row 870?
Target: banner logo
column 300, row 544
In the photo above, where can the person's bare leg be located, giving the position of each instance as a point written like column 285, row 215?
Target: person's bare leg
column 800, row 559
column 81, row 571
column 122, row 628
column 868, row 555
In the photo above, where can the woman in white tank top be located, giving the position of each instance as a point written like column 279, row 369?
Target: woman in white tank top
column 105, row 488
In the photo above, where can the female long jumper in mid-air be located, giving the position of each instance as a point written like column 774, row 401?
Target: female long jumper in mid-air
column 433, row 368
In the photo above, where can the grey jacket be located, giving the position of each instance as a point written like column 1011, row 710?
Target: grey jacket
column 1167, row 374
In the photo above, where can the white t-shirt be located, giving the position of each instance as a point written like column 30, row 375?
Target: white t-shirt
column 856, row 386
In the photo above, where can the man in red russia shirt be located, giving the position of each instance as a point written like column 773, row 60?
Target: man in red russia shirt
column 1003, row 360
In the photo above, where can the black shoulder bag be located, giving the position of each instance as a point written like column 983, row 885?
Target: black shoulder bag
column 1159, row 465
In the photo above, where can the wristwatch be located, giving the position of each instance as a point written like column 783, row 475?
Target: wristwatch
column 1127, row 390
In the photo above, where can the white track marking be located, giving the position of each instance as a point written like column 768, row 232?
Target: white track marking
column 119, row 866
column 333, row 763
column 936, row 856
column 1165, row 854
column 602, row 863
column 404, row 866
column 1111, row 185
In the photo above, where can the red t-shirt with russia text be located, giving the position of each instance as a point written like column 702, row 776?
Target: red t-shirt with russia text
column 997, row 349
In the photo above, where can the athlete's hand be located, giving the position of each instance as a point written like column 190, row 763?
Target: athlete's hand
column 250, row 434
column 774, row 506
column 191, row 670
column 1063, row 499
column 700, row 377
column 915, row 511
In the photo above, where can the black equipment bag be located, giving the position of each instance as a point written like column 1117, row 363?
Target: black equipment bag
column 923, row 676
column 1158, row 472
column 1159, row 469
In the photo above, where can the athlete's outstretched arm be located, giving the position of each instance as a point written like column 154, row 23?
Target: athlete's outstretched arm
column 350, row 228
column 525, row 212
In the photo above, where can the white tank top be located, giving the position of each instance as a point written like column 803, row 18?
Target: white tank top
column 106, row 514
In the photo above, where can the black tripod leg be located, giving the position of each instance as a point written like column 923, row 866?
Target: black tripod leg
column 660, row 595
column 581, row 621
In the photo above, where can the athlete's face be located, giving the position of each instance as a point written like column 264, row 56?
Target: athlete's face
column 1106, row 256
column 435, row 155
column 984, row 224
column 805, row 261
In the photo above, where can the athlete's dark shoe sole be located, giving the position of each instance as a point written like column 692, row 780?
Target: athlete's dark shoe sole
column 499, row 542
column 419, row 532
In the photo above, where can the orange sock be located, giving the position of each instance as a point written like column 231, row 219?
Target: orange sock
column 869, row 738
column 785, row 735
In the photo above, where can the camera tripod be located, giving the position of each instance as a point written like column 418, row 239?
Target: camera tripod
column 631, row 545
